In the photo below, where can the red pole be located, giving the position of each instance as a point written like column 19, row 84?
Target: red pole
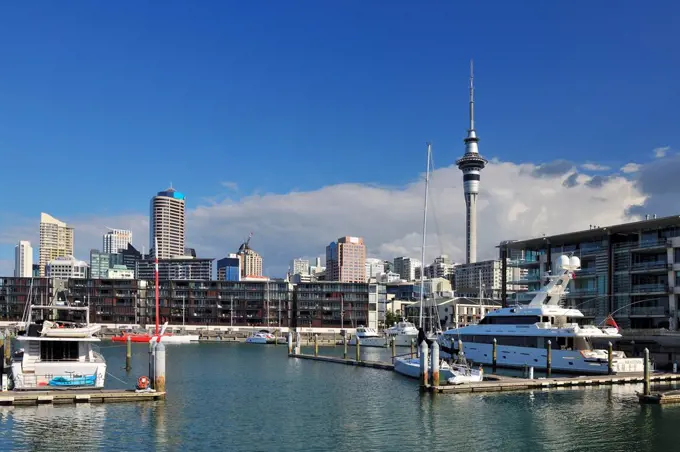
column 157, row 305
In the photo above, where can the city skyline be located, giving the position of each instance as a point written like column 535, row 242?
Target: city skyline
column 330, row 142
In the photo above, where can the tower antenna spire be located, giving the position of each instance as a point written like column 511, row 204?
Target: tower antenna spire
column 472, row 95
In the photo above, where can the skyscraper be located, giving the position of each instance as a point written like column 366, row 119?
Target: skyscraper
column 300, row 266
column 56, row 240
column 471, row 164
column 251, row 261
column 116, row 240
column 346, row 260
column 23, row 260
column 167, row 223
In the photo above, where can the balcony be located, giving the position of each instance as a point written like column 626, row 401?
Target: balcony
column 587, row 250
column 582, row 291
column 649, row 311
column 523, row 262
column 649, row 288
column 586, row 273
column 652, row 266
column 650, row 244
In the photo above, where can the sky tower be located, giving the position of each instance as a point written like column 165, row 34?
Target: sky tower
column 471, row 164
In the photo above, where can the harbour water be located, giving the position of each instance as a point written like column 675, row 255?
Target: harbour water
column 239, row 397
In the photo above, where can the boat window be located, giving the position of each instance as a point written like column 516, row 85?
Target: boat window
column 59, row 351
column 514, row 320
column 545, row 319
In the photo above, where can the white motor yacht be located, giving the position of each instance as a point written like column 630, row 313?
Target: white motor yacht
column 59, row 352
column 368, row 337
column 403, row 333
column 522, row 333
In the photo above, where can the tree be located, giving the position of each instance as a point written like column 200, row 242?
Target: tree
column 390, row 318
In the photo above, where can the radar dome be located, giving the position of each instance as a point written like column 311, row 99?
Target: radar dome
column 575, row 262
column 563, row 261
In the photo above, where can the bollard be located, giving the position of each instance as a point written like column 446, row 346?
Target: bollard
column 435, row 363
column 159, row 374
column 128, row 354
column 394, row 348
column 647, row 383
column 494, row 355
column 610, row 359
column 413, row 347
column 290, row 343
column 358, row 350
column 548, row 359
column 344, row 346
column 423, row 365
column 152, row 364
column 531, row 373
column 316, row 345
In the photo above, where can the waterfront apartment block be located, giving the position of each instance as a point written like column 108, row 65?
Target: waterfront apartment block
column 16, row 291
column 346, row 260
column 630, row 270
column 168, row 224
column 331, row 304
column 56, row 240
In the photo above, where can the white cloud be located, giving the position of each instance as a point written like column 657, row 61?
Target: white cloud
column 631, row 168
column 594, row 167
column 661, row 152
column 513, row 204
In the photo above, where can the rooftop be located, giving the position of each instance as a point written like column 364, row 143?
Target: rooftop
column 171, row 193
column 594, row 233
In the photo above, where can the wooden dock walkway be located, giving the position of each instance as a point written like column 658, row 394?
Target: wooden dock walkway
column 350, row 362
column 76, row 396
column 498, row 383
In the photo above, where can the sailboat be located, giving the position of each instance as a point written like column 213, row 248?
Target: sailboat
column 406, row 365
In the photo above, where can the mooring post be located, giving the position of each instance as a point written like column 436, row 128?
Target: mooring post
column 394, row 348
column 494, row 355
column 159, row 373
column 423, row 365
column 152, row 363
column 276, row 337
column 344, row 346
column 316, row 345
column 413, row 348
column 531, row 373
column 290, row 342
column 647, row 383
column 298, row 344
column 358, row 350
column 128, row 354
column 435, row 363
column 610, row 358
column 8, row 348
column 548, row 358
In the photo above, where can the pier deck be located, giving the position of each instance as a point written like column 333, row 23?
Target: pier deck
column 76, row 396
column 498, row 383
column 350, row 362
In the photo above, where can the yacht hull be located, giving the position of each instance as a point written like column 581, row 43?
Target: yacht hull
column 410, row 367
column 564, row 361
column 259, row 340
column 370, row 341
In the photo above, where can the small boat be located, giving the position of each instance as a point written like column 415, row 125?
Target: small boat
column 368, row 337
column 261, row 337
column 166, row 338
column 463, row 372
column 410, row 367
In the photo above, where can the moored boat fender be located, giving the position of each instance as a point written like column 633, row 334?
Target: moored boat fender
column 143, row 382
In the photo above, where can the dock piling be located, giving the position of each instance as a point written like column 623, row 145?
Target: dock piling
column 316, row 345
column 413, row 347
column 358, row 349
column 152, row 364
column 435, row 363
column 344, row 346
column 393, row 342
column 647, row 389
column 531, row 373
column 290, row 343
column 548, row 359
column 494, row 355
column 128, row 354
column 159, row 373
column 423, row 365
column 610, row 358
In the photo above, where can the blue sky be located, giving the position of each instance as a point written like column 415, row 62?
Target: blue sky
column 104, row 103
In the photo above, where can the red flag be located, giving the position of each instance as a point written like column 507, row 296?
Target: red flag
column 611, row 322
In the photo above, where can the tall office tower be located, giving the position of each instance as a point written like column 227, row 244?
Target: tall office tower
column 23, row 260
column 116, row 240
column 471, row 164
column 346, row 260
column 56, row 240
column 299, row 266
column 167, row 224
column 251, row 261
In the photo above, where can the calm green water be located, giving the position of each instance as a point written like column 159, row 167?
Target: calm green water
column 232, row 397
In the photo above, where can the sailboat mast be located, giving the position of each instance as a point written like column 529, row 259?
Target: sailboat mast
column 422, row 251
column 155, row 244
